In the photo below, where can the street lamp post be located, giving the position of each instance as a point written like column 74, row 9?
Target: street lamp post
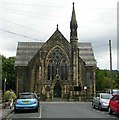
column 85, row 88
column 4, row 90
column 4, row 85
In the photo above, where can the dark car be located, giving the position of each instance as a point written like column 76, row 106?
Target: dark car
column 26, row 101
column 114, row 104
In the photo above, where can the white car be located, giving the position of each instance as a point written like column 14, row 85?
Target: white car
column 114, row 91
column 101, row 100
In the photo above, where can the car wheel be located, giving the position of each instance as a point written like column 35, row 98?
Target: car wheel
column 93, row 105
column 36, row 110
column 109, row 111
column 16, row 111
column 100, row 107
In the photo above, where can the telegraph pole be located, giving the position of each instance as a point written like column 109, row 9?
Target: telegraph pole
column 110, row 66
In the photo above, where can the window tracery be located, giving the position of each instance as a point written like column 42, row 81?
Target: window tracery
column 57, row 64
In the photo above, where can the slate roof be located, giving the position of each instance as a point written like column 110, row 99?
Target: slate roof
column 27, row 50
column 86, row 54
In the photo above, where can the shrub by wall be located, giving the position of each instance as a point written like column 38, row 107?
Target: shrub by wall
column 6, row 96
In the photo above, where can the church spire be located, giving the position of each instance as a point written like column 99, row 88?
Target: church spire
column 73, row 25
column 73, row 18
column 74, row 48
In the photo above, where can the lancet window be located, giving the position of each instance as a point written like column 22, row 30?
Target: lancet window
column 57, row 65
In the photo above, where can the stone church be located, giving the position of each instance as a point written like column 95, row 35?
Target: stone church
column 57, row 68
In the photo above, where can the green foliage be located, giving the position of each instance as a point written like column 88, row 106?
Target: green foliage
column 115, row 79
column 0, row 72
column 103, row 79
column 6, row 96
column 8, row 72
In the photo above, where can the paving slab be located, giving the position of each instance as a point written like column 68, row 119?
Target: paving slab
column 6, row 111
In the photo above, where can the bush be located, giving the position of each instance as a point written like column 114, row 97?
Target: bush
column 6, row 96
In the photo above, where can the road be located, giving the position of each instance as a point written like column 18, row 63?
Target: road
column 65, row 110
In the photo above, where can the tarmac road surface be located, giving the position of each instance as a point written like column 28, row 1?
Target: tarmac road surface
column 65, row 110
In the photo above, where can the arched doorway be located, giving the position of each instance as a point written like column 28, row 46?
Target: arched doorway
column 57, row 90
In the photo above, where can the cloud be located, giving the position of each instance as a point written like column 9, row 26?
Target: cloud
column 38, row 19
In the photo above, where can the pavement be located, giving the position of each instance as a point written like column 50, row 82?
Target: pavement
column 6, row 111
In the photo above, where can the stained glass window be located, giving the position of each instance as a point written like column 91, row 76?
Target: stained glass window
column 57, row 65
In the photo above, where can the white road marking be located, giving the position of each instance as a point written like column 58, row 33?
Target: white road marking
column 102, row 112
column 40, row 111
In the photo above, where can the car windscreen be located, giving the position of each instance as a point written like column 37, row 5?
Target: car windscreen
column 26, row 96
column 106, row 96
column 115, row 91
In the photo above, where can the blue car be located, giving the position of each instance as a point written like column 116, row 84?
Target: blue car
column 26, row 101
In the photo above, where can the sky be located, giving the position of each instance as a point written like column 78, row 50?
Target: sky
column 36, row 20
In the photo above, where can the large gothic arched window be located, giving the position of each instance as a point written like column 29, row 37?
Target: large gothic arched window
column 64, row 70
column 53, row 71
column 49, row 70
column 57, row 64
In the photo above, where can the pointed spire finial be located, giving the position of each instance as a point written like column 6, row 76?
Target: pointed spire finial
column 73, row 18
column 73, row 24
column 57, row 26
column 73, row 3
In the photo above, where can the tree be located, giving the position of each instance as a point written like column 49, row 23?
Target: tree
column 99, row 79
column 116, row 81
column 8, row 72
column 103, row 79
column 0, row 72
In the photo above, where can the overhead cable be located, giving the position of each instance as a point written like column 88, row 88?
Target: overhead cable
column 19, row 34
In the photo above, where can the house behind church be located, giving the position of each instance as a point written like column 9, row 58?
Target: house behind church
column 57, row 68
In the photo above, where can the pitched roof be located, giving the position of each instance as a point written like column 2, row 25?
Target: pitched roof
column 57, row 35
column 86, row 54
column 27, row 50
